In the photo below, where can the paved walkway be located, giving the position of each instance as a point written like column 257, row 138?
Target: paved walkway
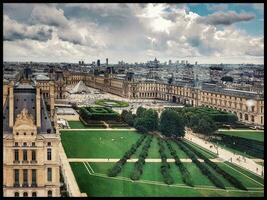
column 99, row 129
column 241, row 130
column 226, row 155
column 148, row 160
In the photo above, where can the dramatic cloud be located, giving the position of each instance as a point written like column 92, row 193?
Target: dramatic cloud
column 17, row 31
column 129, row 32
column 221, row 18
column 49, row 15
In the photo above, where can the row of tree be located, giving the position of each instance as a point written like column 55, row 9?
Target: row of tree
column 231, row 179
column 165, row 167
column 202, row 166
column 116, row 169
column 138, row 167
column 187, row 179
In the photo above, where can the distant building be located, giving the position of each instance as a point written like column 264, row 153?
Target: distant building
column 98, row 63
column 196, row 63
column 106, row 61
column 216, row 73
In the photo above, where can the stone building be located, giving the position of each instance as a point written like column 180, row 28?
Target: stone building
column 248, row 106
column 30, row 142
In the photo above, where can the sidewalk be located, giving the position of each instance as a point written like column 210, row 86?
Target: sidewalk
column 243, row 162
column 148, row 160
column 99, row 129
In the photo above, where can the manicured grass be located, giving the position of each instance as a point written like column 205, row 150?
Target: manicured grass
column 97, row 144
column 253, row 135
column 240, row 175
column 110, row 187
column 112, row 103
column 77, row 125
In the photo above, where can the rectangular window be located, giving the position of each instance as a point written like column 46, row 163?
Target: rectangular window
column 49, row 174
column 25, row 155
column 49, row 154
column 16, row 154
column 25, row 177
column 33, row 177
column 16, row 177
column 33, row 155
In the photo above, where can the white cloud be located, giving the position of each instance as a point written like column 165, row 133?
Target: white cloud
column 145, row 31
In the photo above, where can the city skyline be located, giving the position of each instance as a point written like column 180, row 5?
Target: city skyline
column 206, row 33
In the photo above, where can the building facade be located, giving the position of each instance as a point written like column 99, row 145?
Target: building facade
column 30, row 142
column 248, row 106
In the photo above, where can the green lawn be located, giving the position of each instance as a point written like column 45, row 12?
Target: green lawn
column 77, row 125
column 97, row 144
column 150, row 184
column 253, row 135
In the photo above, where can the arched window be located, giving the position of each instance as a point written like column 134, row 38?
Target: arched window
column 240, row 115
column 25, row 194
column 16, row 194
column 246, row 116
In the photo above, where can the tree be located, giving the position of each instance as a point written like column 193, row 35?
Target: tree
column 140, row 125
column 129, row 119
column 123, row 115
column 227, row 79
column 206, row 126
column 151, row 119
column 140, row 110
column 172, row 123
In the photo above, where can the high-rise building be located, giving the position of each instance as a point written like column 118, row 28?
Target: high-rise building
column 98, row 63
column 106, row 61
column 196, row 63
column 30, row 142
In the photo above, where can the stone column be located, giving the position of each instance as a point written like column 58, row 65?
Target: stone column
column 38, row 106
column 11, row 104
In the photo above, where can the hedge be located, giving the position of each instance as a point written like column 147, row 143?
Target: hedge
column 203, row 168
column 164, row 169
column 138, row 167
column 251, row 147
column 187, row 179
column 231, row 179
column 116, row 169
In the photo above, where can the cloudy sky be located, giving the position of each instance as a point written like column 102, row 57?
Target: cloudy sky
column 207, row 33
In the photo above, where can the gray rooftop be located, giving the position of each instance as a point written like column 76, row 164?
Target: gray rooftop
column 24, row 97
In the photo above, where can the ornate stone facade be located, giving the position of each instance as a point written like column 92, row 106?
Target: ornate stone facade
column 30, row 144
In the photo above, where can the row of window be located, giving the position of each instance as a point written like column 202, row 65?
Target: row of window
column 34, row 194
column 33, row 153
column 25, row 173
